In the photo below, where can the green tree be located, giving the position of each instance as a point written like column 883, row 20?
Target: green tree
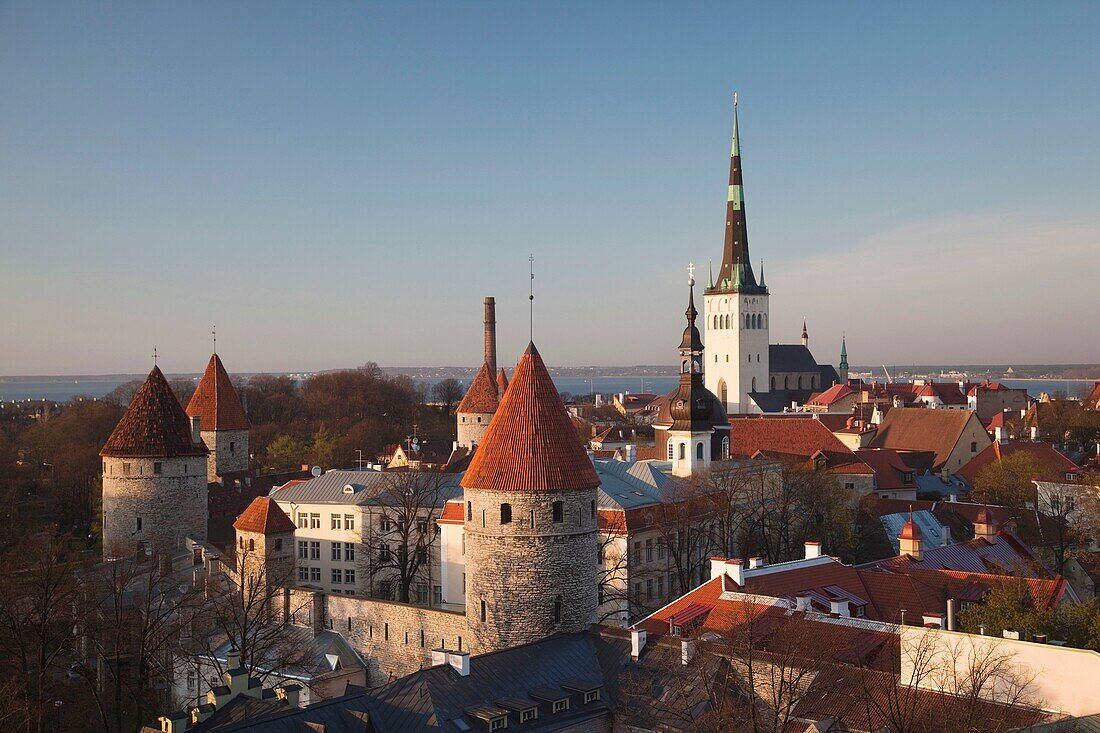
column 322, row 449
column 1008, row 482
column 285, row 453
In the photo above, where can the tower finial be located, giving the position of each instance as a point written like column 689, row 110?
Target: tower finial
column 154, row 354
column 691, row 274
column 214, row 334
column 531, row 299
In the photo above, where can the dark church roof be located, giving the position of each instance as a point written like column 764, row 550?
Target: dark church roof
column 783, row 358
column 153, row 426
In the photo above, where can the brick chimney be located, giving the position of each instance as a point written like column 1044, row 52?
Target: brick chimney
column 491, row 334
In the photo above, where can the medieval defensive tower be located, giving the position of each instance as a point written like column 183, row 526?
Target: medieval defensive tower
column 477, row 408
column 530, row 504
column 223, row 423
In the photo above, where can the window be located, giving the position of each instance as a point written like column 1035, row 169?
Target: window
column 277, row 544
column 498, row 723
column 848, row 486
column 303, row 550
column 422, row 593
column 337, row 550
column 637, row 551
column 422, row 556
column 349, row 552
column 303, row 520
column 383, row 553
column 315, row 575
column 683, row 451
column 526, row 715
column 637, row 592
column 125, row 469
column 660, row 548
column 191, row 681
column 252, row 545
column 303, row 574
column 725, row 449
column 437, row 594
column 314, row 521
column 649, row 550
column 592, row 509
column 384, row 524
column 698, row 451
column 349, row 521
column 661, row 587
column 973, row 446
column 558, row 512
column 469, row 511
column 335, row 519
column 337, row 575
column 484, row 610
column 505, row 513
column 557, row 610
column 157, row 467
column 560, row 705
column 139, row 524
column 314, row 550
column 670, row 448
column 232, row 447
column 649, row 590
column 349, row 577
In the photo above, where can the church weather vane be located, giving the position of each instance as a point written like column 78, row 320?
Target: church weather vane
column 214, row 335
column 531, row 300
column 154, row 355
column 691, row 274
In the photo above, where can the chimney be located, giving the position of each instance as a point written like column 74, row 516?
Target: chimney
column 491, row 335
column 735, row 570
column 1011, row 634
column 902, row 613
column 839, row 607
column 317, row 614
column 631, row 453
column 1039, row 638
column 1034, row 432
column 1000, row 435
column 196, row 431
column 933, row 620
column 175, row 722
column 439, row 656
column 237, row 681
column 637, row 642
column 983, row 630
column 232, row 659
column 460, row 662
column 717, row 567
column 289, row 693
column 687, row 651
column 950, row 614
column 813, row 550
column 802, row 603
column 756, row 562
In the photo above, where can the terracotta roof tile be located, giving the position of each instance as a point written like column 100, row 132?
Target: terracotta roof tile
column 263, row 515
column 531, row 444
column 153, row 426
column 833, row 394
column 452, row 513
column 1055, row 465
column 915, row 428
column 482, row 396
column 216, row 402
column 502, row 382
column 792, row 436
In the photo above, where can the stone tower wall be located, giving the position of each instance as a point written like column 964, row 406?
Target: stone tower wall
column 228, row 452
column 472, row 427
column 736, row 355
column 521, row 568
column 171, row 504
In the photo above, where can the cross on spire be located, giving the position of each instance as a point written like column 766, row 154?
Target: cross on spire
column 691, row 273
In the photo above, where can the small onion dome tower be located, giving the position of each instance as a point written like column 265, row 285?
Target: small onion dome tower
column 265, row 543
column 477, row 408
column 909, row 539
column 691, row 420
column 223, row 423
column 154, row 475
column 985, row 526
column 530, row 519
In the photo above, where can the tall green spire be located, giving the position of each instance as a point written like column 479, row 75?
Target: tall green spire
column 843, row 352
column 735, row 272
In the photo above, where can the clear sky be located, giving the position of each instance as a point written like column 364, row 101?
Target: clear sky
column 332, row 183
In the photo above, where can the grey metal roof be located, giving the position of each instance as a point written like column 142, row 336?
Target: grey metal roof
column 790, row 358
column 932, row 532
column 631, row 485
column 314, row 663
column 776, row 400
column 368, row 487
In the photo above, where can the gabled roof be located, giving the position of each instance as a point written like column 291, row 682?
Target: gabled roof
column 153, row 426
column 1055, row 465
column 481, row 397
column 916, row 428
column 785, row 438
column 890, row 470
column 1005, row 554
column 833, row 394
column 264, row 516
column 947, row 392
column 216, row 402
column 531, row 444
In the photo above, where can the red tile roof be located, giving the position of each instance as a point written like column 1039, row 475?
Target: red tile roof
column 916, row 428
column 1055, row 465
column 153, row 426
column 263, row 515
column 482, row 396
column 833, row 394
column 531, row 444
column 948, row 392
column 796, row 437
column 502, row 382
column 216, row 402
column 890, row 470
column 452, row 513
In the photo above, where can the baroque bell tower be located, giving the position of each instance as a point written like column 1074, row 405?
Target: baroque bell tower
column 736, row 308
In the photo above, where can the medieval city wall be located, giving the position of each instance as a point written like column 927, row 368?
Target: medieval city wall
column 222, row 460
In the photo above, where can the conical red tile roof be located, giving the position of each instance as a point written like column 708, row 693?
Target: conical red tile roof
column 482, row 396
column 154, row 425
column 531, row 444
column 263, row 515
column 216, row 402
column 502, row 382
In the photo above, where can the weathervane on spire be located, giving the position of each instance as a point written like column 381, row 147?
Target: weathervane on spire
column 531, row 299
column 214, row 333
column 735, row 99
column 154, row 354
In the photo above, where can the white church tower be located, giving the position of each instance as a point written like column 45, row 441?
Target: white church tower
column 736, row 308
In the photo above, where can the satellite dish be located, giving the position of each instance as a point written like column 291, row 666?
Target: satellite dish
column 316, row 471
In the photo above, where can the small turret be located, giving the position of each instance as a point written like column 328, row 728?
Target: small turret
column 909, row 539
column 805, row 334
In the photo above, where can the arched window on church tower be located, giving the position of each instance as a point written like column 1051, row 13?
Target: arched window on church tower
column 698, row 451
column 765, row 320
column 786, row 382
column 683, row 451
column 800, row 381
column 773, row 383
column 754, row 384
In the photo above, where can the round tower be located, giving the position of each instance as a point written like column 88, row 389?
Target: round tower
column 154, row 475
column 264, row 547
column 477, row 408
column 224, row 427
column 530, row 519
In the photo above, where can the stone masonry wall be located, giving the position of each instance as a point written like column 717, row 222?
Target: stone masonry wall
column 521, row 568
column 472, row 427
column 228, row 452
column 395, row 639
column 171, row 504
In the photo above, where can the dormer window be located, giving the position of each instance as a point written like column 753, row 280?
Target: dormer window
column 591, row 696
column 528, row 715
column 560, row 705
column 498, row 723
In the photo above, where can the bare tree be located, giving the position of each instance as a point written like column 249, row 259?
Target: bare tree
column 448, row 391
column 399, row 549
column 611, row 582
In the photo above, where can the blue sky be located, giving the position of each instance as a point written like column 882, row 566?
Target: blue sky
column 332, row 183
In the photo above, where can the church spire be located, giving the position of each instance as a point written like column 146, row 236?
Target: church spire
column 735, row 273
column 843, row 352
column 805, row 334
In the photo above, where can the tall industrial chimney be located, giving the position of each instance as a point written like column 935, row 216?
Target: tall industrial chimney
column 491, row 335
